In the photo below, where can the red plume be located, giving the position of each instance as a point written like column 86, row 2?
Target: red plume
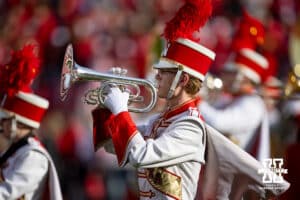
column 250, row 33
column 189, row 18
column 20, row 72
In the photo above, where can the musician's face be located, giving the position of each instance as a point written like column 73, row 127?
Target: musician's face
column 6, row 124
column 164, row 79
column 243, row 85
column 3, row 122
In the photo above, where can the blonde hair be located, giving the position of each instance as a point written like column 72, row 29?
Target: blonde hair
column 193, row 86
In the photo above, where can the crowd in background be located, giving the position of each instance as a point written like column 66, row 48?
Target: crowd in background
column 126, row 33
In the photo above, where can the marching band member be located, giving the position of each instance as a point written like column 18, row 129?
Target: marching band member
column 171, row 150
column 27, row 170
column 244, row 120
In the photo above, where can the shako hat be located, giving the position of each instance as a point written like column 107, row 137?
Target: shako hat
column 17, row 97
column 183, row 50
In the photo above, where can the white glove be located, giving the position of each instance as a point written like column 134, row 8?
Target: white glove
column 116, row 100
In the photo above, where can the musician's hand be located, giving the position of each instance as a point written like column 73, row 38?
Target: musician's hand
column 116, row 100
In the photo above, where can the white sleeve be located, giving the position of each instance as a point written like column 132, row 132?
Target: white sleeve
column 142, row 127
column 183, row 141
column 243, row 114
column 23, row 175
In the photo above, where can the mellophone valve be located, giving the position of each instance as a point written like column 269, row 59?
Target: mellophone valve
column 72, row 73
column 92, row 96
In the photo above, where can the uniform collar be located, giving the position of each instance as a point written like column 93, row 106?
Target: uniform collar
column 181, row 108
column 14, row 148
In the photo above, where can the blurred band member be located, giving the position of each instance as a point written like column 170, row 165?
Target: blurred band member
column 27, row 170
column 245, row 118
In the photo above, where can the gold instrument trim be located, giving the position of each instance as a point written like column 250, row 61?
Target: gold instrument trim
column 292, row 86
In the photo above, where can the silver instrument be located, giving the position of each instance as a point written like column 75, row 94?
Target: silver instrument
column 72, row 73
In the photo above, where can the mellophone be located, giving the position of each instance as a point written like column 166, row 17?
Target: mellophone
column 72, row 73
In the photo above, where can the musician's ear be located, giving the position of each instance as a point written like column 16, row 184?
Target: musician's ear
column 184, row 79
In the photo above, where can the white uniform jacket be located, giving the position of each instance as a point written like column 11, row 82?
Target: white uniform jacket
column 168, row 152
column 29, row 173
column 246, row 120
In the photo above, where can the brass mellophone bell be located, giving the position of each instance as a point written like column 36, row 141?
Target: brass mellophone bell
column 72, row 72
column 292, row 86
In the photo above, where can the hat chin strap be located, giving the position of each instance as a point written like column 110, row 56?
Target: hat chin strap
column 174, row 83
column 13, row 129
column 3, row 100
column 237, row 82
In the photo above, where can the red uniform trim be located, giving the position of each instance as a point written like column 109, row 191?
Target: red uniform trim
column 101, row 132
column 181, row 108
column 122, row 130
column 149, row 194
column 142, row 175
column 39, row 142
column 161, row 121
column 24, row 108
column 274, row 92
